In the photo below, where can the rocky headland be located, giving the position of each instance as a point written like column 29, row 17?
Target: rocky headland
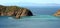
column 14, row 11
column 57, row 13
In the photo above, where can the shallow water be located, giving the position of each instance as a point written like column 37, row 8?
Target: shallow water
column 39, row 21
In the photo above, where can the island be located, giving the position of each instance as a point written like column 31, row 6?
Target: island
column 14, row 11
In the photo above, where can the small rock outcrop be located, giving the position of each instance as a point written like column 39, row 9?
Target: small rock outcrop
column 57, row 13
column 14, row 11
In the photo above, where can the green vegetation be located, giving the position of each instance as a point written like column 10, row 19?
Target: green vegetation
column 9, row 8
column 14, row 11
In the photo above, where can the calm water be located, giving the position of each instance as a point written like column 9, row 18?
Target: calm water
column 43, row 19
column 47, row 10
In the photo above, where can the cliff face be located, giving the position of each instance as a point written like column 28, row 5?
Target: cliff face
column 57, row 13
column 14, row 11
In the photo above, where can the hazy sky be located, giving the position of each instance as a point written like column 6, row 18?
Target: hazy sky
column 3, row 2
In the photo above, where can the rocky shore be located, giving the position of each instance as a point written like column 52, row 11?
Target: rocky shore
column 57, row 13
column 14, row 11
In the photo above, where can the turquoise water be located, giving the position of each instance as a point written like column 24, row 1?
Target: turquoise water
column 43, row 19
column 39, row 21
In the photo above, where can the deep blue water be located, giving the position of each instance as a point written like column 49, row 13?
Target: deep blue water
column 45, row 10
column 43, row 19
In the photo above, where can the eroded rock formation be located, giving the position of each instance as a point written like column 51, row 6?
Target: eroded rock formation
column 14, row 11
column 57, row 13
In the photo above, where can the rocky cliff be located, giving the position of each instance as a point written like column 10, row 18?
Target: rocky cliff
column 57, row 13
column 14, row 11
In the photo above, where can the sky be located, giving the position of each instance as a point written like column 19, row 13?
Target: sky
column 28, row 2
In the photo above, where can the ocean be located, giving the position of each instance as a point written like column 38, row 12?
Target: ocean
column 43, row 18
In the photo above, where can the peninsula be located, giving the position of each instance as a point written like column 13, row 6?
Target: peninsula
column 14, row 11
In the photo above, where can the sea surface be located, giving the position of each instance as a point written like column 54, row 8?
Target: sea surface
column 43, row 18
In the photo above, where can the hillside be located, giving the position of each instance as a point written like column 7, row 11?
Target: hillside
column 14, row 11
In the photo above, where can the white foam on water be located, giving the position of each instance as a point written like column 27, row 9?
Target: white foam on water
column 11, row 18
